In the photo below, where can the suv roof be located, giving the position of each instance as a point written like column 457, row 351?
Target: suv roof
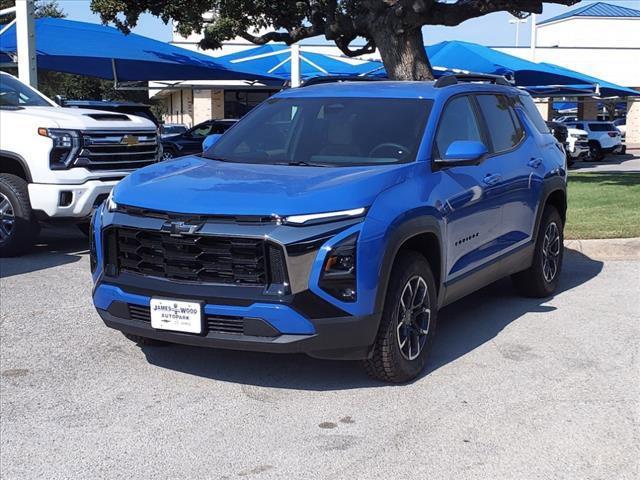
column 393, row 89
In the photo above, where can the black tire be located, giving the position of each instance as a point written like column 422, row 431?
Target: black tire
column 541, row 280
column 168, row 154
column 389, row 360
column 595, row 151
column 18, row 227
column 144, row 341
column 85, row 228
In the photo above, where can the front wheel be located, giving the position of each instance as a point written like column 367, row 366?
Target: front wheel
column 541, row 279
column 18, row 227
column 408, row 321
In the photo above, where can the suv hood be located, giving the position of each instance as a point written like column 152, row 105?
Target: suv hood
column 81, row 119
column 194, row 185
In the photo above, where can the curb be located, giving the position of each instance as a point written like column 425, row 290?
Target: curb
column 607, row 249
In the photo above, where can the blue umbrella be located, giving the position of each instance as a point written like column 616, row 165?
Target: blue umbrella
column 276, row 60
column 105, row 52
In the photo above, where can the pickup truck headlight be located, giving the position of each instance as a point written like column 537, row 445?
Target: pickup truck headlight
column 66, row 145
column 338, row 276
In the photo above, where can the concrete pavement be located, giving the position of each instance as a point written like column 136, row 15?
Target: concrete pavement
column 630, row 162
column 516, row 389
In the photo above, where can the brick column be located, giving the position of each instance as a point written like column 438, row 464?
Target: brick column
column 201, row 106
column 217, row 104
column 588, row 110
column 545, row 107
column 633, row 120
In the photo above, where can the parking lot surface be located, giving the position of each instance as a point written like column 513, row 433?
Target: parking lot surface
column 516, row 389
column 630, row 162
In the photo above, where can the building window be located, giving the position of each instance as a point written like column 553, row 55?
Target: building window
column 237, row 103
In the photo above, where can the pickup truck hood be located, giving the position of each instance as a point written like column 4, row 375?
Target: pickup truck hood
column 194, row 185
column 81, row 119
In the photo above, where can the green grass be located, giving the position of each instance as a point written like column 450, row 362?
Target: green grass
column 603, row 205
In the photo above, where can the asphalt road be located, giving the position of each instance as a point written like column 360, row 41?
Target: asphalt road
column 630, row 162
column 517, row 389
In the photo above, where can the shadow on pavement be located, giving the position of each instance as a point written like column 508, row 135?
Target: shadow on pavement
column 55, row 246
column 616, row 161
column 462, row 327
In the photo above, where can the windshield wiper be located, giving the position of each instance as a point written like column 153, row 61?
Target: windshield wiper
column 301, row 163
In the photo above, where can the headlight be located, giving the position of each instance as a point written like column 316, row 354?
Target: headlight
column 66, row 145
column 573, row 135
column 112, row 206
column 324, row 217
column 338, row 276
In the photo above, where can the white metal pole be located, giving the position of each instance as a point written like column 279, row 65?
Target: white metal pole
column 295, row 65
column 26, row 42
column 533, row 37
column 517, row 33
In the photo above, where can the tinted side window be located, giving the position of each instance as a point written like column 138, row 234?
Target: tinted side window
column 458, row 122
column 526, row 102
column 499, row 118
column 201, row 131
column 602, row 127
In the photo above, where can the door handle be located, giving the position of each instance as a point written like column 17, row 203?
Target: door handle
column 535, row 162
column 492, row 178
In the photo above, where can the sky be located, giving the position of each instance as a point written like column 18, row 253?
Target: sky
column 492, row 30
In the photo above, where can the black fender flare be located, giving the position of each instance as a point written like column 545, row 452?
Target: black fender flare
column 18, row 158
column 401, row 232
column 552, row 185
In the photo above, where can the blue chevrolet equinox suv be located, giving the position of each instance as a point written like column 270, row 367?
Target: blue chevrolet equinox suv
column 337, row 220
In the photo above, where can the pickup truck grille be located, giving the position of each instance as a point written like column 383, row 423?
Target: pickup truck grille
column 117, row 150
column 196, row 258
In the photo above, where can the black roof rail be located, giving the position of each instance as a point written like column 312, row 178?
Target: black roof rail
column 339, row 79
column 453, row 79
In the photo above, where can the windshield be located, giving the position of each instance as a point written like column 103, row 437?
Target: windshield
column 327, row 132
column 15, row 94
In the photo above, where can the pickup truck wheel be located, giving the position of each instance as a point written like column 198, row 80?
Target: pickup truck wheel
column 541, row 279
column 408, row 322
column 18, row 227
column 144, row 341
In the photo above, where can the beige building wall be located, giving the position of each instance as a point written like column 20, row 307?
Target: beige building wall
column 544, row 107
column 633, row 122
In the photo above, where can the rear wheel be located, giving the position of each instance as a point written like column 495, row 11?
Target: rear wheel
column 168, row 154
column 18, row 227
column 408, row 322
column 541, row 279
column 595, row 152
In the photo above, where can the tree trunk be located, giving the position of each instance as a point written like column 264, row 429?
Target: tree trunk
column 403, row 53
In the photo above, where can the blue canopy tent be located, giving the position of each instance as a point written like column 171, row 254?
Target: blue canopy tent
column 274, row 59
column 542, row 79
column 105, row 52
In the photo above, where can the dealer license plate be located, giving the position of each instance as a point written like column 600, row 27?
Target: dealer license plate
column 176, row 315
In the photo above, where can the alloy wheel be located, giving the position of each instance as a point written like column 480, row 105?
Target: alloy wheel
column 413, row 318
column 7, row 218
column 167, row 156
column 551, row 252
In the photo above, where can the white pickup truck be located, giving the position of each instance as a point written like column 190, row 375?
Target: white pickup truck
column 60, row 163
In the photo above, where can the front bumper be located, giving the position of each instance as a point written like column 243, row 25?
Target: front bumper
column 263, row 327
column 69, row 201
column 579, row 149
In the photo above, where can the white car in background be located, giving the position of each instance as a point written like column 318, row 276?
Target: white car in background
column 621, row 125
column 577, row 145
column 604, row 137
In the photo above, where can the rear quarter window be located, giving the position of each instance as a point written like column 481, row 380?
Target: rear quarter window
column 526, row 102
column 602, row 127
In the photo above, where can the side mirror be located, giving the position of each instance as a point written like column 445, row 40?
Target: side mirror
column 210, row 140
column 463, row 152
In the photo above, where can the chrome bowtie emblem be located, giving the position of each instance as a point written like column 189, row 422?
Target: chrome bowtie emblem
column 130, row 140
column 177, row 229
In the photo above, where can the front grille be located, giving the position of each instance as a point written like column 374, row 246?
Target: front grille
column 117, row 150
column 196, row 258
column 215, row 323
